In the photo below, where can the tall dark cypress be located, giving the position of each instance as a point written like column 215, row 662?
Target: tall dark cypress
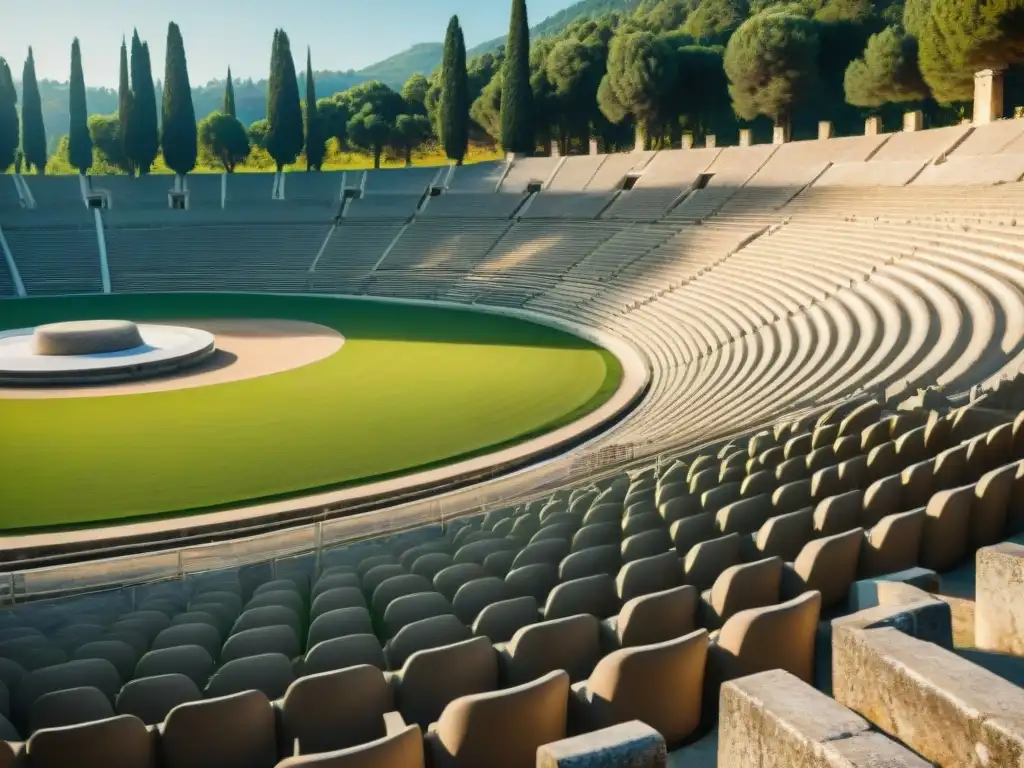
column 229, row 97
column 79, row 140
column 180, row 142
column 518, row 130
column 8, row 118
column 284, row 113
column 145, row 137
column 125, row 109
column 453, row 114
column 316, row 140
column 33, row 130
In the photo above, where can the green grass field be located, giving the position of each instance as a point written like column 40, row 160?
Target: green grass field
column 412, row 387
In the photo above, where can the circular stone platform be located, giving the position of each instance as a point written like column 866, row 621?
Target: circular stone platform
column 95, row 352
column 86, row 337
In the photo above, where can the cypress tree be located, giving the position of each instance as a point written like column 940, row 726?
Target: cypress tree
column 180, row 142
column 454, row 110
column 145, row 137
column 316, row 139
column 33, row 130
column 125, row 108
column 229, row 97
column 518, row 131
column 8, row 118
column 284, row 113
column 79, row 140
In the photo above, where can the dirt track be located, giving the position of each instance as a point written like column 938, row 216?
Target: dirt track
column 246, row 348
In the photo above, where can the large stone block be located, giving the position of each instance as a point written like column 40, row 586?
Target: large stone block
column 633, row 744
column 907, row 609
column 774, row 720
column 999, row 604
column 888, row 589
column 945, row 708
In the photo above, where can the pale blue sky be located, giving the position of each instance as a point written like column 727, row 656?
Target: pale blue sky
column 344, row 34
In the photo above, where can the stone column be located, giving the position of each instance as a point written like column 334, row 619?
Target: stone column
column 780, row 134
column 913, row 121
column 988, row 96
column 873, row 126
column 555, row 151
column 687, row 142
column 595, row 148
column 824, row 130
column 999, row 606
column 709, row 141
column 745, row 137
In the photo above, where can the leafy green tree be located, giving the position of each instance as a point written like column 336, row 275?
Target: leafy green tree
column 411, row 131
column 771, row 62
column 453, row 125
column 486, row 109
column 916, row 14
column 9, row 138
column 224, row 139
column 316, row 139
column 33, row 129
column 108, row 148
column 641, row 74
column 518, row 128
column 414, row 92
column 79, row 142
column 258, row 133
column 369, row 130
column 715, row 20
column 574, row 68
column 125, row 108
column 144, row 142
column 284, row 113
column 982, row 33
column 334, row 117
column 180, row 141
column 887, row 73
column 229, row 97
column 959, row 37
column 701, row 92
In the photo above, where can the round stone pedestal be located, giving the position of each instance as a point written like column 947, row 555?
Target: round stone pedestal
column 86, row 337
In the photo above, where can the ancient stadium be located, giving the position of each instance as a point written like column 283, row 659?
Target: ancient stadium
column 728, row 438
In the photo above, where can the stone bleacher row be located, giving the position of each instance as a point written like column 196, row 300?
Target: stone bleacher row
column 645, row 593
column 740, row 320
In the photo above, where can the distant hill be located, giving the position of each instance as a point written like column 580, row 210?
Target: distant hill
column 395, row 70
column 251, row 96
column 552, row 25
column 425, row 57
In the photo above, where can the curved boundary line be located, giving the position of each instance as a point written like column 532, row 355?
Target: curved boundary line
column 521, row 459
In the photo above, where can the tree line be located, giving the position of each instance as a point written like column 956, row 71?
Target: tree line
column 663, row 70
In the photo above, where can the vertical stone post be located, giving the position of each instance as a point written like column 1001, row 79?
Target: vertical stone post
column 595, row 148
column 913, row 121
column 709, row 141
column 873, row 126
column 824, row 130
column 746, row 138
column 780, row 134
column 687, row 142
column 988, row 96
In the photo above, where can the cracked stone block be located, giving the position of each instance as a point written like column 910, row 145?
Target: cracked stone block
column 910, row 611
column 630, row 745
column 943, row 707
column 775, row 720
column 999, row 603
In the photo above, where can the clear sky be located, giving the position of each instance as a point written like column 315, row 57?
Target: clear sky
column 344, row 34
